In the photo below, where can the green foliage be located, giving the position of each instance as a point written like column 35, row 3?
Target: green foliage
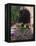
column 14, row 13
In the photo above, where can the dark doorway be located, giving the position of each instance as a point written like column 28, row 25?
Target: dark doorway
column 24, row 16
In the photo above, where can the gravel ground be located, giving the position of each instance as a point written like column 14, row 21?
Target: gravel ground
column 25, row 35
